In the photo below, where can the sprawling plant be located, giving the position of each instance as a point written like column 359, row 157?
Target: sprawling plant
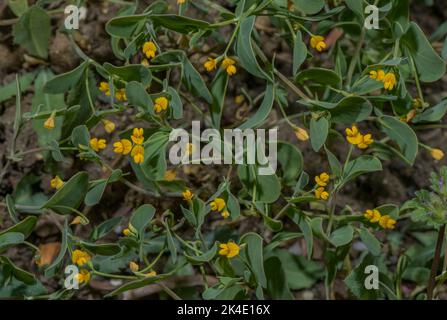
column 354, row 94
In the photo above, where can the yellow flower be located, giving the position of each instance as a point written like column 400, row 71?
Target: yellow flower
column 56, row 182
column 161, row 104
column 80, row 257
column 239, row 99
column 133, row 266
column 317, row 42
column 98, row 144
column 437, row 154
column 151, row 274
column 123, row 146
column 145, row 63
column 387, row 222
column 229, row 249
column 366, row 141
column 120, row 95
column 77, row 220
column 322, row 179
column 49, row 123
column 320, row 193
column 225, row 214
column 231, row 70
column 218, row 204
column 229, row 65
column 149, row 49
column 373, row 74
column 187, row 195
column 301, row 134
column 127, row 232
column 109, row 126
column 372, row 216
column 137, row 135
column 353, row 135
column 170, row 175
column 105, row 88
column 210, row 64
column 83, row 276
column 389, row 81
column 179, row 2
column 138, row 154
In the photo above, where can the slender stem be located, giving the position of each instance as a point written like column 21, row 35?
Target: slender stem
column 171, row 293
column 435, row 263
column 355, row 57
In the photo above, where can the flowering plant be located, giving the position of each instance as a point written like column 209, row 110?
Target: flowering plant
column 351, row 97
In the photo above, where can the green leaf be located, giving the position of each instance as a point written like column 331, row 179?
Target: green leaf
column 402, row 134
column 319, row 130
column 359, row 166
column 9, row 90
column 71, row 195
column 255, row 257
column 123, row 27
column 178, row 23
column 33, row 31
column 80, row 136
column 141, row 217
column 320, row 76
column 244, row 49
column 19, row 7
column 206, row 257
column 347, row 110
column 291, row 161
column 18, row 273
column 277, row 285
column 25, row 227
column 268, row 187
column 138, row 96
column 342, row 236
column 218, row 92
column 356, row 6
column 62, row 83
column 171, row 244
column 309, row 7
column 430, row 66
column 263, row 111
column 334, row 163
column 105, row 227
column 299, row 53
column 103, row 249
column 10, row 238
column 175, row 103
column 370, row 241
column 50, row 271
column 131, row 72
column 432, row 114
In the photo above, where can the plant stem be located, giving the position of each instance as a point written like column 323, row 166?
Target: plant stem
column 355, row 57
column 435, row 263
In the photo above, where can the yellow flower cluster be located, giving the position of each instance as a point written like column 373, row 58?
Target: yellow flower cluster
column 161, row 104
column 120, row 94
column 322, row 181
column 317, row 42
column 149, row 49
column 374, row 216
column 388, row 79
column 229, row 249
column 219, row 205
column 98, row 144
column 56, row 183
column 124, row 146
column 187, row 195
column 80, row 257
column 228, row 64
column 355, row 138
